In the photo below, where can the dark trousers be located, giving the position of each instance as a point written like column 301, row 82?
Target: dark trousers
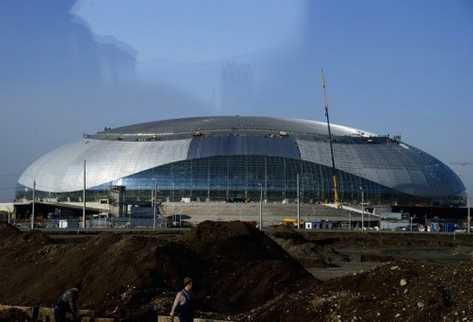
column 60, row 311
column 185, row 319
column 60, row 315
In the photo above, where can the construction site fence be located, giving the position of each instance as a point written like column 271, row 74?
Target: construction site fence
column 74, row 224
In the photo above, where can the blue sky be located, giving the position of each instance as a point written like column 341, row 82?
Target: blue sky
column 195, row 31
column 399, row 67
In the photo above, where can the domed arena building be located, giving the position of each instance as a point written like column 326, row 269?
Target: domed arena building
column 236, row 158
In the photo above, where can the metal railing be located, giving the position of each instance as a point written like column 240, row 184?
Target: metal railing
column 122, row 223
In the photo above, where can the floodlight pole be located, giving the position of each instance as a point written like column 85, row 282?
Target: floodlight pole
column 152, row 207
column 363, row 210
column 468, row 229
column 298, row 202
column 261, row 207
column 154, row 203
column 33, row 205
column 84, row 205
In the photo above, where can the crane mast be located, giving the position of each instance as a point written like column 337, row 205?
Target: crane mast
column 334, row 170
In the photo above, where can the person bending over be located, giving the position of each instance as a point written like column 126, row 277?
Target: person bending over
column 67, row 303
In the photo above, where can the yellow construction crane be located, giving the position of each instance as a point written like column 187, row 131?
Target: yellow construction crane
column 334, row 170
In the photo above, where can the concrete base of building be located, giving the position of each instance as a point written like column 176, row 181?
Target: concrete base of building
column 273, row 213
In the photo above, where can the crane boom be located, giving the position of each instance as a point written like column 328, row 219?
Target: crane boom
column 334, row 170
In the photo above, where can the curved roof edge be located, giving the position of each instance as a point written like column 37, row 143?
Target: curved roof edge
column 227, row 124
column 61, row 170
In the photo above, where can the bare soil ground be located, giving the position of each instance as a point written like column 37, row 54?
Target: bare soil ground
column 329, row 255
column 235, row 268
column 242, row 274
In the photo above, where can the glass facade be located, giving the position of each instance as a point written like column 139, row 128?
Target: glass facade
column 238, row 178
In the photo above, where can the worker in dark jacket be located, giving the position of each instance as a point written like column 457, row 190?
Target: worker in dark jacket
column 183, row 303
column 67, row 303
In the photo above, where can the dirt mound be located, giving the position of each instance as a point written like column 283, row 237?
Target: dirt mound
column 237, row 271
column 211, row 231
column 235, row 268
column 372, row 257
column 108, row 265
column 405, row 290
column 8, row 231
column 11, row 235
column 308, row 252
column 234, row 241
column 408, row 290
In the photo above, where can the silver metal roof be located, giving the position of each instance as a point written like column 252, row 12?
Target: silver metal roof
column 233, row 123
column 61, row 170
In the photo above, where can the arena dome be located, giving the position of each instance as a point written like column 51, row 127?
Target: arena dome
column 231, row 157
